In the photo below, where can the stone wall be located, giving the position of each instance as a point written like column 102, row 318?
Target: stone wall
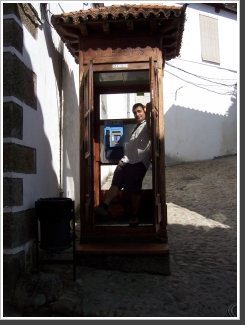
column 19, row 83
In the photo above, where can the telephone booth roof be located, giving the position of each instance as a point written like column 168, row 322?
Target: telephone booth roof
column 111, row 22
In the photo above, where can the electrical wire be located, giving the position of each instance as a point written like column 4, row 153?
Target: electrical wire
column 200, row 86
column 45, row 11
column 204, row 78
column 202, row 63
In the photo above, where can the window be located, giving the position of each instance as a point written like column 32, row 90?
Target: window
column 209, row 39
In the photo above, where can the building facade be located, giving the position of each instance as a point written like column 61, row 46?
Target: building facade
column 40, row 127
column 41, row 111
column 200, row 86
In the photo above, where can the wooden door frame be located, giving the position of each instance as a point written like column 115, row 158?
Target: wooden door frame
column 93, row 230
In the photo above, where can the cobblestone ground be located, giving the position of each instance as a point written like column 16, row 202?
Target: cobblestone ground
column 202, row 237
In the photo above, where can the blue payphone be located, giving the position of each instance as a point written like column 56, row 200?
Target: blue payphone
column 113, row 139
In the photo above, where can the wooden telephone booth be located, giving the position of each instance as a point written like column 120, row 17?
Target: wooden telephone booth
column 121, row 49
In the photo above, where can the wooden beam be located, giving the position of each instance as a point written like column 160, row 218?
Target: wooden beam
column 83, row 29
column 71, row 39
column 169, row 50
column 153, row 25
column 67, row 31
column 169, row 43
column 106, row 28
column 81, row 137
column 130, row 25
column 171, row 54
column 73, row 46
column 172, row 33
column 167, row 25
column 74, row 41
column 123, row 248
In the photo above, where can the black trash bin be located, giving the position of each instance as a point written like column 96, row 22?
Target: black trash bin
column 54, row 215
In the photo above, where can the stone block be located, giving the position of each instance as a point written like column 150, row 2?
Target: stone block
column 25, row 13
column 12, row 191
column 19, row 159
column 12, row 34
column 18, row 228
column 18, row 80
column 12, row 120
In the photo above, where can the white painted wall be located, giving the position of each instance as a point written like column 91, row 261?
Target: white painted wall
column 200, row 115
column 68, row 70
column 198, row 124
column 118, row 106
column 57, row 97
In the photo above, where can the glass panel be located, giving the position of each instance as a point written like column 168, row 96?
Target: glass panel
column 106, row 174
column 124, row 78
column 119, row 106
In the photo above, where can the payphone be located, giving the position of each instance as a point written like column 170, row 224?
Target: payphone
column 113, row 139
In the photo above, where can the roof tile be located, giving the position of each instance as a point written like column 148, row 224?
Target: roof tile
column 118, row 11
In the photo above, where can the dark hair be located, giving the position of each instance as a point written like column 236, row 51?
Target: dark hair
column 136, row 105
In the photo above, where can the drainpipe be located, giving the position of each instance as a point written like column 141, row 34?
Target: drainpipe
column 60, row 84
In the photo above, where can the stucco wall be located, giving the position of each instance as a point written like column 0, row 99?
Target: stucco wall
column 58, row 97
column 40, row 95
column 52, row 128
column 200, row 98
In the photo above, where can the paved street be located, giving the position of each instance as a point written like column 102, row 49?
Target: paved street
column 202, row 237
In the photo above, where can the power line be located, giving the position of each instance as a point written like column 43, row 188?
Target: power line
column 204, row 78
column 200, row 86
column 202, row 63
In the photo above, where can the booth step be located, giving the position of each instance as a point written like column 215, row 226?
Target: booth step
column 123, row 248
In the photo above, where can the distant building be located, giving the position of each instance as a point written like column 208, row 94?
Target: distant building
column 200, row 86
